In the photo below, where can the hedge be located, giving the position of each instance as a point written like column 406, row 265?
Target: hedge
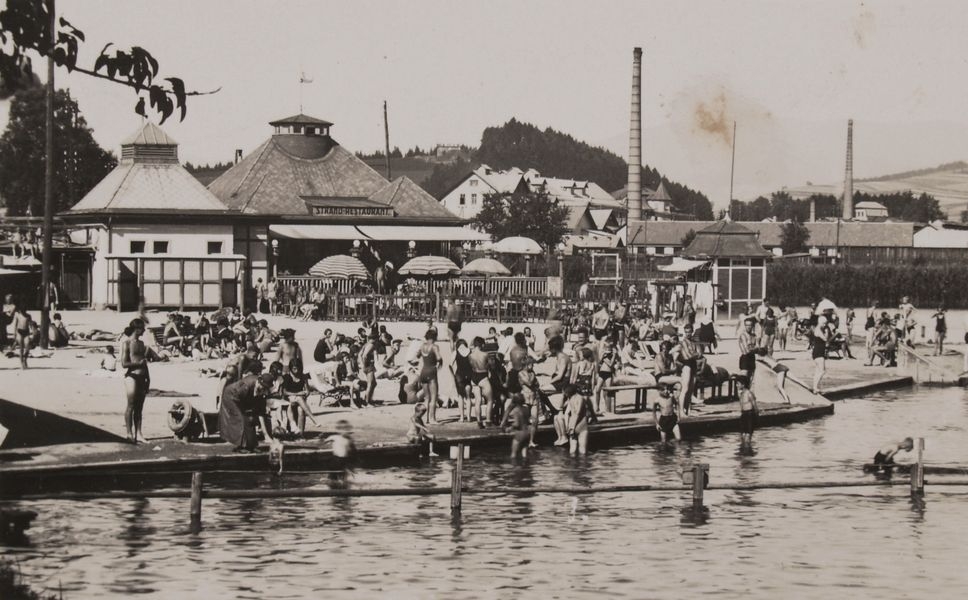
column 857, row 285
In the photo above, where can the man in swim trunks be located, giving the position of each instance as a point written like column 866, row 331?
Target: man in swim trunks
column 748, row 348
column 885, row 456
column 689, row 355
column 517, row 358
column 21, row 333
column 483, row 394
column 517, row 423
column 664, row 415
column 749, row 411
column 454, row 320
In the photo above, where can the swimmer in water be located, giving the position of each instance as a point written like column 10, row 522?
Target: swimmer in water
column 664, row 414
column 749, row 411
column 885, row 456
column 518, row 421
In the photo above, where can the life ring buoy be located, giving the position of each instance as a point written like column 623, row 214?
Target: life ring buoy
column 180, row 416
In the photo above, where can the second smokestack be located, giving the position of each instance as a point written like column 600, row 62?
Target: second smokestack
column 849, row 173
column 635, row 140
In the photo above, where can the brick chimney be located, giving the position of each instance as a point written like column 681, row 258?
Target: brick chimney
column 634, row 187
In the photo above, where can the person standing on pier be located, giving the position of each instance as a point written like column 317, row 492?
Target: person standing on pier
column 821, row 337
column 940, row 330
column 431, row 361
column 689, row 355
column 243, row 407
column 483, row 394
column 134, row 361
column 748, row 348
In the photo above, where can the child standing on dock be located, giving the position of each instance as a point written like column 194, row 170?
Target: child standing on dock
column 749, row 411
column 419, row 433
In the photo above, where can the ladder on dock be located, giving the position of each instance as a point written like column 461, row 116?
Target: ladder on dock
column 924, row 369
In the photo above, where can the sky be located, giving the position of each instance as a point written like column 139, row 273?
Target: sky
column 788, row 73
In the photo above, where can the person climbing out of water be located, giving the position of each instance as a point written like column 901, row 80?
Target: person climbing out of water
column 749, row 410
column 666, row 419
column 419, row 433
column 885, row 456
column 344, row 449
column 517, row 421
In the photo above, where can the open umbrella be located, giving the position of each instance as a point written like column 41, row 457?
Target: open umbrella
column 429, row 266
column 516, row 245
column 485, row 266
column 339, row 266
column 825, row 305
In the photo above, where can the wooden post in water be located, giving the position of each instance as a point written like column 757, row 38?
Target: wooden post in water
column 196, row 509
column 917, row 471
column 698, row 484
column 456, row 481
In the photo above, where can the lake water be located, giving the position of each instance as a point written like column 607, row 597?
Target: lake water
column 802, row 543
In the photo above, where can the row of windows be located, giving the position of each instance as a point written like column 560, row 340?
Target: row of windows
column 463, row 200
column 161, row 247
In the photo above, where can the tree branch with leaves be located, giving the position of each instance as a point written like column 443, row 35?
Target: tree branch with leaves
column 527, row 214
column 25, row 30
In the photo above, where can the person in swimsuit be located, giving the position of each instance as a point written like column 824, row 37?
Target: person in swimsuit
column 453, row 317
column 483, row 393
column 21, row 333
column 562, row 371
column 517, row 356
column 940, row 330
column 418, row 433
column 578, row 412
column 462, row 369
column 367, row 361
column 288, row 348
column 749, row 411
column 608, row 365
column 295, row 389
column 821, row 336
column 497, row 377
column 885, row 456
column 136, row 379
column 431, row 361
column 689, row 357
column 517, row 420
column 583, row 373
column 665, row 417
column 748, row 348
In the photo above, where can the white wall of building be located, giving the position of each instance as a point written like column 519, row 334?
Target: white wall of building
column 465, row 200
column 930, row 237
column 183, row 241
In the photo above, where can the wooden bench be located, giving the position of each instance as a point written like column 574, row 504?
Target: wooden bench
column 641, row 395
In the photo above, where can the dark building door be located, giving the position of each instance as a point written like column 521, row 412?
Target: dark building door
column 127, row 286
column 75, row 281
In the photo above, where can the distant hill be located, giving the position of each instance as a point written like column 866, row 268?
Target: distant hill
column 947, row 183
column 557, row 154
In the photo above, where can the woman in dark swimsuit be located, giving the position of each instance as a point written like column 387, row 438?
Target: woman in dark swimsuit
column 136, row 379
column 431, row 361
column 463, row 373
column 583, row 372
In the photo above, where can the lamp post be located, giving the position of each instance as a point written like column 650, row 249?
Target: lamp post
column 275, row 258
column 355, row 250
column 527, row 265
column 411, row 249
column 561, row 265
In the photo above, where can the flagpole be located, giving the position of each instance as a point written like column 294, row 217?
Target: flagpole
column 45, row 280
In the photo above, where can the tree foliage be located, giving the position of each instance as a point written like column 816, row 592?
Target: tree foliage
column 794, row 237
column 527, row 214
column 25, row 32
column 688, row 238
column 903, row 206
column 556, row 154
column 79, row 162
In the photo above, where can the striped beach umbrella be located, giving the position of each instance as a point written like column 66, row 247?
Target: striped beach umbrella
column 486, row 267
column 516, row 245
column 429, row 266
column 339, row 266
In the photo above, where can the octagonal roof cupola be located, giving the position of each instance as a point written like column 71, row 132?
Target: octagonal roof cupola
column 149, row 144
column 301, row 125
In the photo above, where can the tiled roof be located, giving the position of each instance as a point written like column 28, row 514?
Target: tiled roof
column 300, row 119
column 502, row 182
column 137, row 186
column 149, row 135
column 822, row 233
column 272, row 178
column 570, row 191
column 409, row 199
column 661, row 193
column 725, row 239
column 662, row 233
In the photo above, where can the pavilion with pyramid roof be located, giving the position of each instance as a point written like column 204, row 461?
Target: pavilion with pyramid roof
column 157, row 234
column 302, row 196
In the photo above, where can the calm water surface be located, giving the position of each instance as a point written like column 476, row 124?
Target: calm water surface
column 856, row 543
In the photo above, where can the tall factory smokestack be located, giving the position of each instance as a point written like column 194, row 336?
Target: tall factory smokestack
column 634, row 201
column 849, row 173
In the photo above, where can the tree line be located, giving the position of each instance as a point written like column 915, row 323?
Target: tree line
column 557, row 154
column 903, row 206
